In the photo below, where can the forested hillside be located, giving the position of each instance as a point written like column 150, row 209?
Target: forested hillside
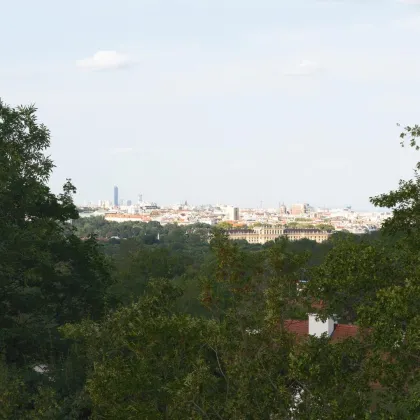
column 172, row 322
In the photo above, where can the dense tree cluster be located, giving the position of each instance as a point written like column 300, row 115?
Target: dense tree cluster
column 170, row 322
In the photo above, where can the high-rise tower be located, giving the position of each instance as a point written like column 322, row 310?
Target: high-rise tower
column 233, row 213
column 115, row 196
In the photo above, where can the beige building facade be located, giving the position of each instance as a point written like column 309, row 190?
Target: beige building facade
column 261, row 235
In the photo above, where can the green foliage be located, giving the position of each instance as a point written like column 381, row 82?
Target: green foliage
column 325, row 226
column 142, row 352
column 11, row 387
column 375, row 282
column 173, row 322
column 307, row 225
column 48, row 276
column 224, row 225
column 158, row 362
column 331, row 381
column 353, row 272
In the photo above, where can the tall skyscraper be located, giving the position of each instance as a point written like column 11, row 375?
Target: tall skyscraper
column 233, row 213
column 115, row 196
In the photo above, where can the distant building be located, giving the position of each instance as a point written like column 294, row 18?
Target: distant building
column 261, row 235
column 312, row 234
column 129, row 202
column 150, row 206
column 122, row 217
column 317, row 328
column 298, row 209
column 283, row 209
column 232, row 213
column 115, row 196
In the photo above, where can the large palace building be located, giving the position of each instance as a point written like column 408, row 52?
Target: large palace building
column 261, row 235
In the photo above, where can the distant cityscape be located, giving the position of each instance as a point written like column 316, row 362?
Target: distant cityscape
column 256, row 225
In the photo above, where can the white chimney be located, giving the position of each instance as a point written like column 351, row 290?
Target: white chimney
column 318, row 327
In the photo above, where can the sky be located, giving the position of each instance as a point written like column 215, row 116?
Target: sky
column 219, row 101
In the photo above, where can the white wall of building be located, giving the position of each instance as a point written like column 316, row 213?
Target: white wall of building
column 318, row 327
column 232, row 213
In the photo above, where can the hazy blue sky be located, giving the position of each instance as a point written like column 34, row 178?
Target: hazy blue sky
column 233, row 101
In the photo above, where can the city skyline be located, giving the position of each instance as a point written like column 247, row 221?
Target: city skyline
column 255, row 225
column 255, row 204
column 118, row 200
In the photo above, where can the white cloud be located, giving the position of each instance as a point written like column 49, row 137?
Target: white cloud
column 105, row 60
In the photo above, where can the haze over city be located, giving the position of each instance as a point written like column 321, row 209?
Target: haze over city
column 224, row 101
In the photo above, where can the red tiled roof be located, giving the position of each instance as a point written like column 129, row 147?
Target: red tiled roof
column 297, row 327
column 341, row 331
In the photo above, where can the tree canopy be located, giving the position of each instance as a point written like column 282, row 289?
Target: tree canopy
column 171, row 322
column 48, row 276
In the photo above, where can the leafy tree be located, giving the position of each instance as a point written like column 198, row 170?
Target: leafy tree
column 143, row 353
column 376, row 284
column 330, row 380
column 48, row 276
column 161, row 363
column 325, row 226
column 11, row 389
column 172, row 326
column 224, row 225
